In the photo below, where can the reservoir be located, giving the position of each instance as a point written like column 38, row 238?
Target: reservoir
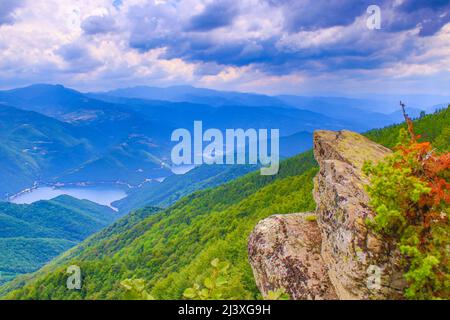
column 104, row 195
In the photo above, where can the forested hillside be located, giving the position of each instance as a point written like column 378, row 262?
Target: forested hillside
column 33, row 146
column 434, row 128
column 173, row 188
column 32, row 235
column 172, row 249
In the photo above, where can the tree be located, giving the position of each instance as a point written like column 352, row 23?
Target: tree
column 422, row 114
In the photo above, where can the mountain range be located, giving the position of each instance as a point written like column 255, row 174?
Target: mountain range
column 51, row 134
column 384, row 104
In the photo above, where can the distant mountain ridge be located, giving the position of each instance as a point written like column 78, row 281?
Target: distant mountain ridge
column 373, row 104
column 196, row 95
column 374, row 112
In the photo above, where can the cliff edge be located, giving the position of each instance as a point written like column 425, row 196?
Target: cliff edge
column 329, row 254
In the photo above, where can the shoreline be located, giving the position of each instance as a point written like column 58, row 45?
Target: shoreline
column 124, row 186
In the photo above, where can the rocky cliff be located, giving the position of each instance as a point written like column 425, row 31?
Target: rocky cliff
column 329, row 254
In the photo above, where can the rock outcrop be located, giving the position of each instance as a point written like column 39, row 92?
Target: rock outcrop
column 337, row 257
column 285, row 252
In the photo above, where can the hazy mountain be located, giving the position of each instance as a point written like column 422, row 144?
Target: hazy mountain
column 362, row 112
column 196, row 95
column 356, row 110
column 426, row 102
column 74, row 138
column 183, row 114
column 52, row 100
column 295, row 144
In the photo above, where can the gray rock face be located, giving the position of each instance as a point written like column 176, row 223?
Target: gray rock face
column 349, row 249
column 356, row 263
column 284, row 252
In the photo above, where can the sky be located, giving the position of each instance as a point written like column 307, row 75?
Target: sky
column 315, row 47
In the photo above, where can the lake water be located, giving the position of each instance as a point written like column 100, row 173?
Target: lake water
column 101, row 195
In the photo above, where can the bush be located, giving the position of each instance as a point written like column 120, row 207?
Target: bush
column 410, row 194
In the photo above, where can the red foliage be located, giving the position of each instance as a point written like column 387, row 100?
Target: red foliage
column 433, row 169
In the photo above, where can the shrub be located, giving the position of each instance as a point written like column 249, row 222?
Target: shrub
column 410, row 194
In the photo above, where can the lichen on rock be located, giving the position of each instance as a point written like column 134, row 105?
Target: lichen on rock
column 285, row 253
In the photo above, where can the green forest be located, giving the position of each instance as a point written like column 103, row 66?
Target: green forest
column 31, row 235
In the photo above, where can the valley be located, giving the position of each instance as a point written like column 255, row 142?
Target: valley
column 59, row 136
column 53, row 134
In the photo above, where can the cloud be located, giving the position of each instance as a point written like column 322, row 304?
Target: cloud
column 227, row 43
column 98, row 24
column 78, row 58
column 413, row 5
column 209, row 69
column 153, row 26
column 216, row 14
column 317, row 14
column 314, row 36
column 428, row 16
column 7, row 9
